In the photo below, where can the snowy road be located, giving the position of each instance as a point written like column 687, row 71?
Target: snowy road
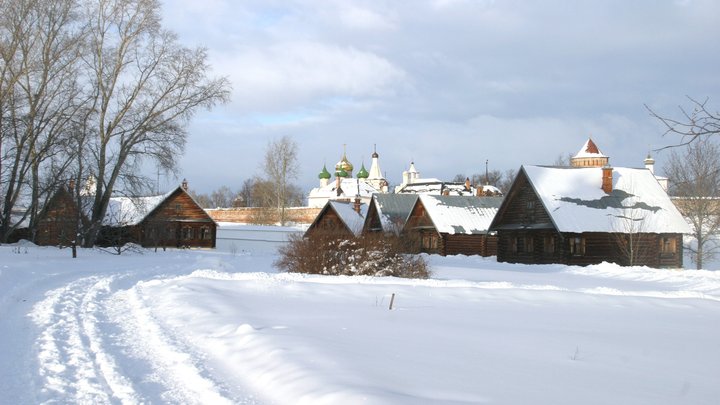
column 73, row 333
column 200, row 327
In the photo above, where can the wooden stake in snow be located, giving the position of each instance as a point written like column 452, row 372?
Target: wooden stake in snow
column 392, row 299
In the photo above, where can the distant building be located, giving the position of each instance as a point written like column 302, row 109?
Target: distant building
column 414, row 184
column 345, row 187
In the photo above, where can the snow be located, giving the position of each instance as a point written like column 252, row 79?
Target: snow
column 350, row 188
column 204, row 326
column 461, row 214
column 576, row 202
column 126, row 211
column 352, row 219
column 587, row 151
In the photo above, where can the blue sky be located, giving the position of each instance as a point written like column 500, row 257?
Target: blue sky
column 444, row 83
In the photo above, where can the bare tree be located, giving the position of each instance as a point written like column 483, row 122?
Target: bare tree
column 506, row 181
column 222, row 197
column 697, row 122
column 280, row 167
column 144, row 88
column 694, row 175
column 563, row 160
column 39, row 47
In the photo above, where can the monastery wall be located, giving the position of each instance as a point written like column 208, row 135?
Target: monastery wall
column 255, row 215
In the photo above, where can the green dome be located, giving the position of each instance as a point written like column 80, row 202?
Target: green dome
column 363, row 174
column 324, row 174
column 341, row 173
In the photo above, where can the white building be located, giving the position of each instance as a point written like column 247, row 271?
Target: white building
column 345, row 187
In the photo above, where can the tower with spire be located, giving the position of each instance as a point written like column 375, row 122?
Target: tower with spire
column 589, row 156
column 375, row 176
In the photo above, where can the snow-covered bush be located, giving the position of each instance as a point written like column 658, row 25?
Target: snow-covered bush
column 370, row 255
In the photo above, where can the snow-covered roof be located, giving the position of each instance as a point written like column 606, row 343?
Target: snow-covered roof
column 351, row 218
column 576, row 202
column 434, row 186
column 350, row 188
column 126, row 211
column 461, row 214
column 393, row 209
column 589, row 150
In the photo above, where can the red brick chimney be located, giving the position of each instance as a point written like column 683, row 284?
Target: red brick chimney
column 607, row 178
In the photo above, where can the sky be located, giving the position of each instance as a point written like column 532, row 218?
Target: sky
column 446, row 84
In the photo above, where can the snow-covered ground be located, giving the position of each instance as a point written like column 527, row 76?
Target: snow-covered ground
column 214, row 327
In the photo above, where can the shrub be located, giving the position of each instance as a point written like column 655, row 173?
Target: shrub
column 368, row 255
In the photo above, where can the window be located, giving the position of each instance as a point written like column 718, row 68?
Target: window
column 668, row 245
column 429, row 241
column 516, row 244
column 187, row 233
column 549, row 244
column 577, row 246
column 529, row 244
column 205, row 233
column 530, row 211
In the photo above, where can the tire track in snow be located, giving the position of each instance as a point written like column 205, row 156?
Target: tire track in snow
column 175, row 366
column 73, row 364
column 79, row 340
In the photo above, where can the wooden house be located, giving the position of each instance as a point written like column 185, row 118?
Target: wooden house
column 388, row 213
column 451, row 225
column 60, row 221
column 587, row 215
column 173, row 220
column 339, row 219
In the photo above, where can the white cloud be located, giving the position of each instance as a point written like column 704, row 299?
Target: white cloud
column 284, row 75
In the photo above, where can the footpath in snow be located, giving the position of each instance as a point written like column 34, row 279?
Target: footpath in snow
column 213, row 327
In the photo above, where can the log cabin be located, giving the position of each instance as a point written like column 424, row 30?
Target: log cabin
column 452, row 225
column 339, row 219
column 588, row 215
column 388, row 213
column 170, row 220
column 60, row 221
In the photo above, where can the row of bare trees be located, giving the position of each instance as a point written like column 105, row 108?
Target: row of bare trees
column 91, row 88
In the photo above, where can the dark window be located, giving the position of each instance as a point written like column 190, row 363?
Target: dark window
column 529, row 244
column 187, row 233
column 429, row 241
column 668, row 245
column 577, row 246
column 549, row 244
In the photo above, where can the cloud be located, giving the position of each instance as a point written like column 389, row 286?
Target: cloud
column 289, row 74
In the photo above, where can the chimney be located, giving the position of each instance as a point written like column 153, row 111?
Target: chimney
column 71, row 186
column 185, row 184
column 467, row 184
column 356, row 204
column 338, row 189
column 607, row 178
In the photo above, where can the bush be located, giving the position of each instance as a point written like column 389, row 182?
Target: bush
column 368, row 255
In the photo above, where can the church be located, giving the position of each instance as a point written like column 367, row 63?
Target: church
column 345, row 187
